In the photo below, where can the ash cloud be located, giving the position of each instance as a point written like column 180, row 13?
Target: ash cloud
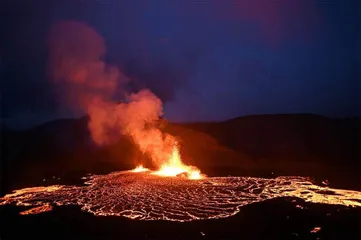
column 90, row 84
column 76, row 61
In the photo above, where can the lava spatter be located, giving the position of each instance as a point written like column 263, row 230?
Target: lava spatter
column 145, row 196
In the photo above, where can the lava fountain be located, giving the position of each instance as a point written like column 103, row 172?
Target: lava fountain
column 91, row 86
column 175, row 167
column 140, row 168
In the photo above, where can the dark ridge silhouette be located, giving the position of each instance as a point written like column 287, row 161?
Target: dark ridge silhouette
column 263, row 145
column 302, row 138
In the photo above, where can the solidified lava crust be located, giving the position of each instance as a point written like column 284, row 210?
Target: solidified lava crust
column 145, row 196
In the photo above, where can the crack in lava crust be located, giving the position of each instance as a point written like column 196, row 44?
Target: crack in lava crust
column 145, row 196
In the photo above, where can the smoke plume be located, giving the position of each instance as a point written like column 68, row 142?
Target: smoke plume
column 77, row 62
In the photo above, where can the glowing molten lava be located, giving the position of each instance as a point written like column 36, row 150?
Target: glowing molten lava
column 140, row 168
column 146, row 196
column 174, row 167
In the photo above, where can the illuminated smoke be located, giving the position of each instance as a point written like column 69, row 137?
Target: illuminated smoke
column 77, row 64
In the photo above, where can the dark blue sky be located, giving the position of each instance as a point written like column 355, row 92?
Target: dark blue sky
column 207, row 60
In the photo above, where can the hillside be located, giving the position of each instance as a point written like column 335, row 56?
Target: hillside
column 264, row 145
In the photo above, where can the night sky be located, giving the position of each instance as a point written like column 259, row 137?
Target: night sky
column 207, row 60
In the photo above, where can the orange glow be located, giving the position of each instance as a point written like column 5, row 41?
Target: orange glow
column 316, row 229
column 140, row 168
column 174, row 167
column 37, row 210
column 91, row 84
column 146, row 196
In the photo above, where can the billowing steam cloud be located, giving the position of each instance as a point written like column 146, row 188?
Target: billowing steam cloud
column 77, row 62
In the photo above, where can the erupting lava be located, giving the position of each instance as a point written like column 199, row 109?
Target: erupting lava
column 174, row 167
column 140, row 168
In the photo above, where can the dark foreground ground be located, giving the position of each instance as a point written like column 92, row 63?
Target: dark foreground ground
column 272, row 219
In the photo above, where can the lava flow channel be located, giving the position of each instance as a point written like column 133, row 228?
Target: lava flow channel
column 145, row 196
